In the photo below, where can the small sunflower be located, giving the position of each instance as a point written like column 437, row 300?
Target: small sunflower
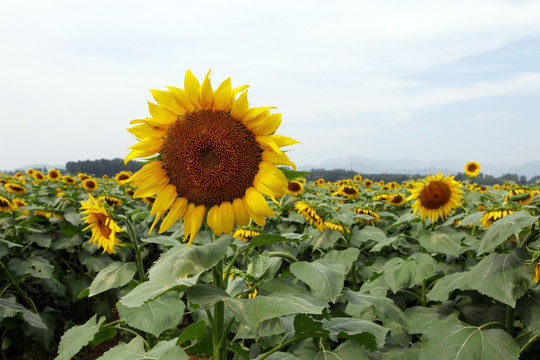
column 368, row 183
column 123, row 176
column 110, row 200
column 89, row 184
column 492, row 215
column 496, row 187
column 295, row 188
column 5, row 204
column 15, row 188
column 129, row 192
column 30, row 172
column 217, row 157
column 54, row 175
column 436, row 196
column 320, row 182
column 396, row 200
column 19, row 202
column 49, row 214
column 366, row 211
column 349, row 191
column 310, row 214
column 245, row 234
column 103, row 226
column 67, row 179
column 472, row 168
column 358, row 178
column 38, row 175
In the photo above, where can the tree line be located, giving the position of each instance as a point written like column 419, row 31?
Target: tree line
column 482, row 179
column 101, row 167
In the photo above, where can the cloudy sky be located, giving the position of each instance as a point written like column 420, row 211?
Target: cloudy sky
column 386, row 79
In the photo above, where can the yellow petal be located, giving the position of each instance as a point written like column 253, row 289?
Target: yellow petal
column 266, row 125
column 212, row 219
column 161, row 115
column 240, row 106
column 167, row 100
column 181, row 98
column 277, row 159
column 241, row 214
column 223, row 95
column 145, row 130
column 151, row 188
column 256, row 113
column 191, row 84
column 270, row 180
column 164, row 199
column 196, row 219
column 149, row 143
column 257, row 203
column 281, row 140
column 226, row 214
column 137, row 154
column 205, row 95
column 149, row 170
column 158, row 216
column 178, row 209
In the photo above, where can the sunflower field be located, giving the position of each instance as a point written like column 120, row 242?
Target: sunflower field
column 218, row 249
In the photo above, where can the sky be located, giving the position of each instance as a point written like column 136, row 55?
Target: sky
column 389, row 79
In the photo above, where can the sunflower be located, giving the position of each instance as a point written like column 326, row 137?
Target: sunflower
column 38, row 175
column 396, row 199
column 521, row 196
column 110, row 200
column 295, row 188
column 217, row 157
column 472, row 169
column 349, row 191
column 123, row 176
column 89, row 184
column 19, row 202
column 335, row 226
column 496, row 187
column 30, row 172
column 366, row 211
column 67, row 179
column 492, row 215
column 15, row 188
column 436, row 196
column 49, row 214
column 320, row 182
column 5, row 204
column 536, row 273
column 245, row 234
column 358, row 177
column 129, row 192
column 103, row 227
column 311, row 214
column 368, row 183
column 83, row 176
column 54, row 175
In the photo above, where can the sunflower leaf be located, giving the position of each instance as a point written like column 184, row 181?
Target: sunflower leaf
column 293, row 174
column 503, row 228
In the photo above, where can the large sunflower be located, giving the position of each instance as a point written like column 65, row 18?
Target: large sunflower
column 436, row 196
column 216, row 157
column 103, row 227
column 472, row 168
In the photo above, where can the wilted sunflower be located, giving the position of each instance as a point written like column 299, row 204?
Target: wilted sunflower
column 492, row 215
column 472, row 168
column 365, row 211
column 5, row 204
column 89, row 184
column 103, row 227
column 436, row 196
column 245, row 234
column 295, row 188
column 217, row 157
column 15, row 188
column 123, row 176
column 310, row 214
column 54, row 175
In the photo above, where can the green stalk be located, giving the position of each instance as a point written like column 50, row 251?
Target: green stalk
column 509, row 323
column 528, row 343
column 20, row 290
column 423, row 299
column 219, row 316
column 291, row 259
column 277, row 348
column 133, row 238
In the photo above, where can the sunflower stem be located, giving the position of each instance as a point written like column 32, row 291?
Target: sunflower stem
column 219, row 316
column 20, row 290
column 133, row 238
column 509, row 323
column 424, row 291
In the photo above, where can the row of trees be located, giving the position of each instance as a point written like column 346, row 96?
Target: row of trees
column 101, row 167
column 482, row 179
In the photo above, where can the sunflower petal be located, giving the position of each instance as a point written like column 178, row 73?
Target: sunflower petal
column 191, row 84
column 161, row 115
column 277, row 159
column 223, row 95
column 240, row 106
column 257, row 203
column 241, row 213
column 181, row 98
column 226, row 214
column 177, row 210
column 167, row 100
column 205, row 95
column 164, row 199
column 212, row 219
column 266, row 126
column 270, row 180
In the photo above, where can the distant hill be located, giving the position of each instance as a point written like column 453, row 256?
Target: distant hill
column 40, row 166
column 410, row 166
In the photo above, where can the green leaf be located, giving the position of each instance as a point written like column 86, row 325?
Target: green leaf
column 265, row 239
column 364, row 332
column 445, row 285
column 113, row 275
column 134, row 350
column 324, row 277
column 305, row 328
column 151, row 289
column 78, row 336
column 419, row 316
column 449, row 339
column 503, row 228
column 405, row 273
column 104, row 334
column 206, row 295
column 156, row 315
column 9, row 307
column 472, row 219
column 445, row 240
column 528, row 309
column 191, row 332
column 383, row 307
column 327, row 239
column 260, row 308
column 35, row 266
column 369, row 233
column 344, row 257
column 384, row 243
column 293, row 174
column 504, row 277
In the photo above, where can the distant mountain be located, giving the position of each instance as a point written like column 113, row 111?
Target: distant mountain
column 411, row 166
column 40, row 166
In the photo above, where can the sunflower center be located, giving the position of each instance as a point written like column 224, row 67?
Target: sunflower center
column 293, row 186
column 397, row 199
column 210, row 157
column 472, row 168
column 102, row 225
column 349, row 190
column 435, row 195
